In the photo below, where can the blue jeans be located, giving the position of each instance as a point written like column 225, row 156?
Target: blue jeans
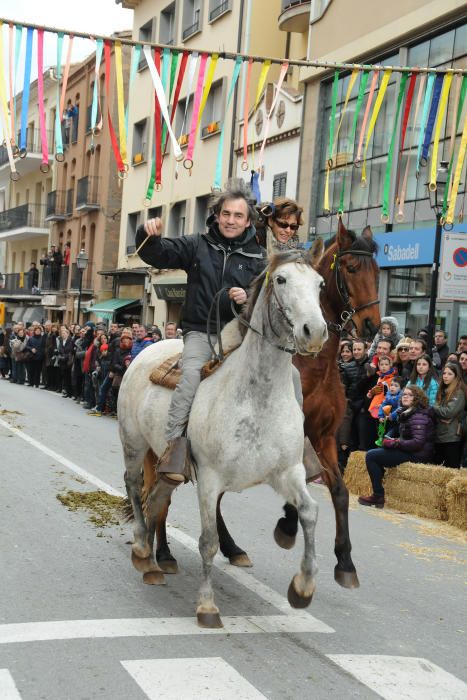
column 105, row 386
column 381, row 458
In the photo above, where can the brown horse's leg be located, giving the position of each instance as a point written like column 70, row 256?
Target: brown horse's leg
column 344, row 572
column 229, row 549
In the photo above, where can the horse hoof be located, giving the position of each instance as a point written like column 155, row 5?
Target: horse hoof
column 346, row 579
column 141, row 552
column 142, row 564
column 209, row 620
column 168, row 566
column 296, row 600
column 154, row 578
column 283, row 540
column 242, row 560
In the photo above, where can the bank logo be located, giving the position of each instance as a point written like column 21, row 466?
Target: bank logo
column 397, row 253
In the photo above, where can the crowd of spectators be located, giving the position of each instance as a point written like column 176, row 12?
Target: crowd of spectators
column 84, row 363
column 392, row 378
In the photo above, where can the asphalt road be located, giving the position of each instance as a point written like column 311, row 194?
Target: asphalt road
column 77, row 622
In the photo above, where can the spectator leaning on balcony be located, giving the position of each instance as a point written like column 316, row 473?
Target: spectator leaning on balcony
column 67, row 254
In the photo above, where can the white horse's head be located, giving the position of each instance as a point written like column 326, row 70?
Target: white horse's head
column 292, row 294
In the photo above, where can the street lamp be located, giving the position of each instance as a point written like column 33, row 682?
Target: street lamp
column 81, row 264
column 436, row 195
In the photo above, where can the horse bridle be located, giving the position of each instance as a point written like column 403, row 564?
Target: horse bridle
column 348, row 311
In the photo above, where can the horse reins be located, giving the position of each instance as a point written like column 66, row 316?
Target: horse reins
column 348, row 311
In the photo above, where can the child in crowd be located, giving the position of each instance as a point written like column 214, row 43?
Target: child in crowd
column 392, row 399
column 423, row 375
column 449, row 412
column 388, row 330
column 386, row 372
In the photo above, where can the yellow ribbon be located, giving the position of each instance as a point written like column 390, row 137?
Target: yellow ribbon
column 374, row 117
column 207, row 87
column 3, row 96
column 439, row 121
column 259, row 91
column 457, row 175
column 120, row 102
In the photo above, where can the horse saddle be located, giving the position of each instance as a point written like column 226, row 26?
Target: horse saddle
column 169, row 372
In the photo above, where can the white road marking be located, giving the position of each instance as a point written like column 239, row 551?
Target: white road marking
column 191, row 679
column 8, row 689
column 18, row 633
column 240, row 575
column 402, row 677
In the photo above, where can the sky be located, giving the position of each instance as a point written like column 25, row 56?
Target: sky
column 90, row 16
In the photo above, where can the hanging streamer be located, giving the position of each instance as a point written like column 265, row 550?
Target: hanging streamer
column 135, row 57
column 401, row 195
column 58, row 121
column 282, row 74
column 246, row 103
column 66, row 73
column 18, row 39
column 332, row 119
column 454, row 128
column 178, row 87
column 374, row 117
column 96, row 100
column 40, row 90
column 387, row 175
column 120, row 102
column 431, row 118
column 4, row 112
column 188, row 162
column 191, row 76
column 25, row 94
column 11, row 82
column 173, row 72
column 439, row 120
column 220, row 148
column 426, row 107
column 369, row 102
column 405, row 121
column 353, row 131
column 122, row 168
column 156, row 167
column 457, row 175
column 259, row 91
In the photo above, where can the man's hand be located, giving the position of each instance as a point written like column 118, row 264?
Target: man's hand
column 153, row 227
column 238, row 295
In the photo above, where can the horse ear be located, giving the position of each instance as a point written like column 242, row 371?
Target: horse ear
column 316, row 253
column 344, row 237
column 367, row 233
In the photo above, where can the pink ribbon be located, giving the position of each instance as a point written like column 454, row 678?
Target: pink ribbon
column 374, row 80
column 188, row 163
column 40, row 89
column 284, row 69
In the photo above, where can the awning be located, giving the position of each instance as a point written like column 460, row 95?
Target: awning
column 28, row 314
column 106, row 309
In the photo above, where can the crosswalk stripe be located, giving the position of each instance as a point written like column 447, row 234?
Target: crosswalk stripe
column 402, row 677
column 191, row 679
column 154, row 627
column 8, row 689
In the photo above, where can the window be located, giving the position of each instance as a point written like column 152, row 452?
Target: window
column 134, row 221
column 183, row 122
column 167, row 25
column 155, row 213
column 146, row 35
column 212, row 116
column 201, row 213
column 177, row 220
column 191, row 18
column 217, row 8
column 140, row 135
column 279, row 185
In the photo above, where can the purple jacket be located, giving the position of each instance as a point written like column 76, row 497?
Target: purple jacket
column 417, row 430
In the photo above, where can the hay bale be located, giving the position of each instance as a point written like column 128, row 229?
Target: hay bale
column 425, row 473
column 456, row 498
column 356, row 476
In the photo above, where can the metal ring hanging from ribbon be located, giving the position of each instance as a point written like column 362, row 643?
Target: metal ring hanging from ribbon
column 188, row 163
column 44, row 167
column 59, row 157
column 244, row 166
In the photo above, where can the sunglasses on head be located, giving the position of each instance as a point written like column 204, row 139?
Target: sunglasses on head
column 285, row 224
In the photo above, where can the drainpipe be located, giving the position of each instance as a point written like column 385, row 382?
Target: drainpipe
column 235, row 99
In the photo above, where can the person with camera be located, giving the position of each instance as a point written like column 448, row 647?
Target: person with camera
column 414, row 444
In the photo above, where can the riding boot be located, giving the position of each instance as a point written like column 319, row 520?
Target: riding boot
column 174, row 463
column 312, row 464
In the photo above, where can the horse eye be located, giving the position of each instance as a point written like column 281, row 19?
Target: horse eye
column 351, row 269
column 322, row 285
column 281, row 280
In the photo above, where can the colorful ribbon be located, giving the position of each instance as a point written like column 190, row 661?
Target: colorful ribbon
column 178, row 87
column 207, row 88
column 191, row 75
column 405, row 121
column 40, row 90
column 156, row 167
column 11, row 81
column 173, row 72
column 332, row 119
column 96, row 100
column 374, row 117
column 188, row 162
column 246, row 103
column 460, row 106
column 3, row 93
column 120, row 102
column 387, row 175
column 122, row 169
column 220, row 148
column 457, row 175
column 431, row 117
column 369, row 102
column 282, row 74
column 58, row 117
column 162, row 101
column 426, row 107
column 66, row 73
column 25, row 95
column 401, row 195
column 439, row 120
column 259, row 91
column 18, row 39
column 135, row 57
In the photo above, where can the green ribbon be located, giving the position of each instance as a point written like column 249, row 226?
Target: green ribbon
column 387, row 175
column 152, row 180
column 173, row 72
column 134, row 67
column 358, row 107
column 451, row 162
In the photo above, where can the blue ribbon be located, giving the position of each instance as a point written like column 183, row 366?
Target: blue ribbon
column 134, row 67
column 58, row 116
column 95, row 92
column 26, row 87
column 432, row 116
column 426, row 104
column 220, row 149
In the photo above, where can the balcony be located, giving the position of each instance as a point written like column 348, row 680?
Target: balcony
column 87, row 284
column 17, row 284
column 219, row 10
column 54, row 279
column 56, row 208
column 87, row 194
column 33, row 158
column 192, row 29
column 210, row 129
column 25, row 221
column 295, row 16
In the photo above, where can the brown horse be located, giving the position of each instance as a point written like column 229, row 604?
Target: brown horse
column 350, row 304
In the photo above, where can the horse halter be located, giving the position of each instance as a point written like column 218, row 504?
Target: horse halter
column 348, row 311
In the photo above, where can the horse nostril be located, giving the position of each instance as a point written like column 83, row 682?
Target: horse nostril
column 306, row 330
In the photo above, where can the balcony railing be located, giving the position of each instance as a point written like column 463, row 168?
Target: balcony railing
column 69, row 202
column 56, row 206
column 211, row 128
column 87, row 193
column 219, row 10
column 17, row 283
column 86, row 284
column 54, row 278
column 193, row 28
column 26, row 215
column 33, row 144
column 295, row 15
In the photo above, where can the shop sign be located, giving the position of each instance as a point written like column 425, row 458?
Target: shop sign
column 171, row 292
column 49, row 300
column 453, row 268
column 405, row 248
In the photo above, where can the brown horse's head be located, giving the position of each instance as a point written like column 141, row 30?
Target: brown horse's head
column 351, row 276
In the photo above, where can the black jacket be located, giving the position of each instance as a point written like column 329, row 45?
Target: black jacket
column 211, row 262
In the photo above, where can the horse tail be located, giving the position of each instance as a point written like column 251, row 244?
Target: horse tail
column 149, row 480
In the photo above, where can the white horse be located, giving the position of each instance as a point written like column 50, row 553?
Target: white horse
column 245, row 426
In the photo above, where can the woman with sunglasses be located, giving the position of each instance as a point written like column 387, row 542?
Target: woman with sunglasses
column 284, row 222
column 402, row 362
